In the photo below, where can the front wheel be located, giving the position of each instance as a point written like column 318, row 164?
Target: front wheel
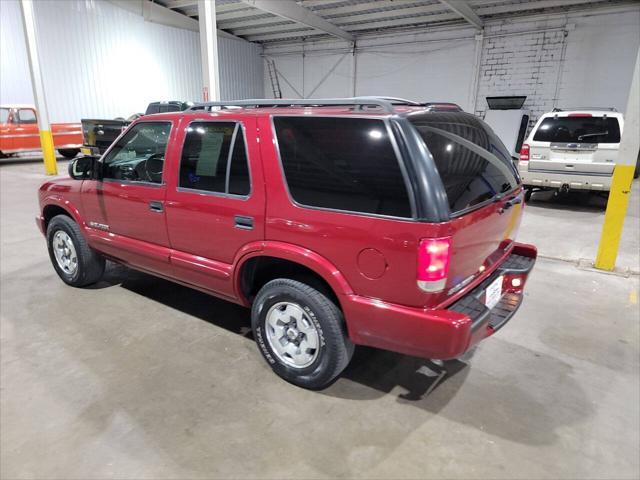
column 72, row 258
column 69, row 152
column 300, row 333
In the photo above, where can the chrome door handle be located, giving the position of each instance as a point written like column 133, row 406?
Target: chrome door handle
column 156, row 207
column 245, row 223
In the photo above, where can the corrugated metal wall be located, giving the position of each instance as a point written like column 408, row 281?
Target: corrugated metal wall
column 420, row 66
column 15, row 84
column 241, row 70
column 99, row 60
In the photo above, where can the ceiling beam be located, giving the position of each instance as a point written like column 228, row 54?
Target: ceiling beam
column 463, row 9
column 182, row 4
column 156, row 13
column 417, row 19
column 292, row 11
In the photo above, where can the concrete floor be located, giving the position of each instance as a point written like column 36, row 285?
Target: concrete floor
column 140, row 378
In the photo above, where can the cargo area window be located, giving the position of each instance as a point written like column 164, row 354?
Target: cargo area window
column 214, row 159
column 474, row 165
column 342, row 164
column 578, row 129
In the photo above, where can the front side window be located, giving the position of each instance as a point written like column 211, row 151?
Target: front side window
column 139, row 155
column 578, row 129
column 473, row 164
column 342, row 164
column 26, row 115
column 4, row 115
column 214, row 159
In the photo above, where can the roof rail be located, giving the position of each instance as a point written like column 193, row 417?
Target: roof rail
column 384, row 103
column 395, row 100
column 603, row 109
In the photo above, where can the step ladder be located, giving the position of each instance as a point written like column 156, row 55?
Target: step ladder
column 273, row 76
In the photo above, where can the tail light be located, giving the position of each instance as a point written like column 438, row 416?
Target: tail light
column 524, row 152
column 434, row 256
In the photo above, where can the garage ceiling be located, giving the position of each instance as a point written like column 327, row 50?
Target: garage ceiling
column 271, row 21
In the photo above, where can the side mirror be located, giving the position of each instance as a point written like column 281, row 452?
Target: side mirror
column 81, row 168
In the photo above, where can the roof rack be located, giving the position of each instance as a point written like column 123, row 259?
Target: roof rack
column 395, row 100
column 599, row 109
column 386, row 104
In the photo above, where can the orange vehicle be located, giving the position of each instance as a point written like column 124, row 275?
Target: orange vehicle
column 19, row 132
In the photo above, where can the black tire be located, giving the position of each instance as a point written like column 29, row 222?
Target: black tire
column 335, row 348
column 527, row 194
column 90, row 265
column 69, row 152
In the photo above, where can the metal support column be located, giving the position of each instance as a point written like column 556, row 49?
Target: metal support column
column 622, row 178
column 46, row 139
column 475, row 81
column 209, row 50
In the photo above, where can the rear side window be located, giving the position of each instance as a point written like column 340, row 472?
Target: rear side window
column 578, row 129
column 214, row 158
column 473, row 163
column 342, row 164
column 4, row 115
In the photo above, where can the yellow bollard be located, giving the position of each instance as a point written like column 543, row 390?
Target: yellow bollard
column 48, row 152
column 614, row 216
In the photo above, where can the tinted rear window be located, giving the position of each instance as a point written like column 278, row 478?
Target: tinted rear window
column 578, row 130
column 473, row 163
column 342, row 164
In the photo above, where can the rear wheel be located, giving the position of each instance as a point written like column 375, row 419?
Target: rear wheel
column 69, row 152
column 300, row 333
column 72, row 258
column 527, row 194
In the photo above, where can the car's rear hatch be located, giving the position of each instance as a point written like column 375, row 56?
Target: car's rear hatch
column 484, row 195
column 576, row 143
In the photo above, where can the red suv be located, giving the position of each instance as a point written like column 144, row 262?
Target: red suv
column 339, row 222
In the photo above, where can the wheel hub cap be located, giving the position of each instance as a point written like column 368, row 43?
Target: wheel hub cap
column 292, row 335
column 65, row 252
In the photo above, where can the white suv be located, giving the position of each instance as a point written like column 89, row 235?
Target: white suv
column 571, row 150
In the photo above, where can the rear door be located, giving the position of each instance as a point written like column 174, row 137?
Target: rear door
column 216, row 201
column 580, row 143
column 482, row 187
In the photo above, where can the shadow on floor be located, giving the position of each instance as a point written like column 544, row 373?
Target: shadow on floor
column 215, row 311
column 574, row 201
column 507, row 397
column 378, row 370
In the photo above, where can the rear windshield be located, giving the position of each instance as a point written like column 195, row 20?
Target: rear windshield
column 578, row 130
column 473, row 163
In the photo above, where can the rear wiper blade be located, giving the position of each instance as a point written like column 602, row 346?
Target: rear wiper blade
column 593, row 135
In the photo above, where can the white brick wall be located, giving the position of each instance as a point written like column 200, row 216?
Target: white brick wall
column 521, row 64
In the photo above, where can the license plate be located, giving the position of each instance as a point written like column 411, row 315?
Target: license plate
column 493, row 293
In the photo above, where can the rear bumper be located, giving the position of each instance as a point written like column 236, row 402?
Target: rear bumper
column 576, row 181
column 446, row 333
